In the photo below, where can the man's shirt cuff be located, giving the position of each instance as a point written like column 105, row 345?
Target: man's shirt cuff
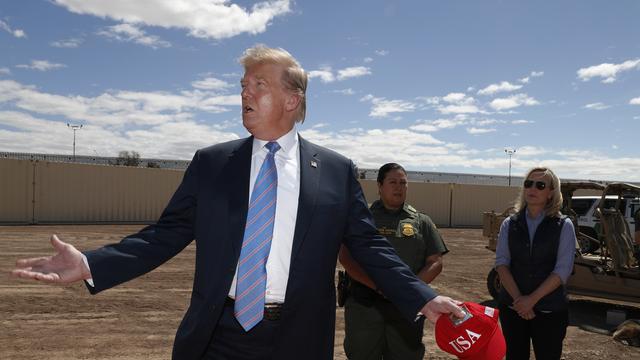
column 86, row 262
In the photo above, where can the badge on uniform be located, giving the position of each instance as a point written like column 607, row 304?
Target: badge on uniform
column 407, row 230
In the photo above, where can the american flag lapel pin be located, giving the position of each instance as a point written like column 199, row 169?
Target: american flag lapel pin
column 314, row 164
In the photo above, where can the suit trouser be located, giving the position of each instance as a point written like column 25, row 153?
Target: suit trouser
column 377, row 330
column 231, row 342
column 546, row 332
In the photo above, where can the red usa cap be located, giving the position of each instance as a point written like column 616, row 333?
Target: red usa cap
column 477, row 336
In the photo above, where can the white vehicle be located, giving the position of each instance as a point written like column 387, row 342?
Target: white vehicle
column 585, row 207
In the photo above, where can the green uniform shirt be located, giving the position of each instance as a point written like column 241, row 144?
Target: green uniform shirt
column 412, row 234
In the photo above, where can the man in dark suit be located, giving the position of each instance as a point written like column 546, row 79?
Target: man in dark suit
column 269, row 214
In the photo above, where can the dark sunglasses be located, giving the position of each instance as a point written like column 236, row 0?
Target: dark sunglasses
column 540, row 185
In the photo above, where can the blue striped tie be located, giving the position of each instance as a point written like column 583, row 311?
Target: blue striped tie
column 252, row 274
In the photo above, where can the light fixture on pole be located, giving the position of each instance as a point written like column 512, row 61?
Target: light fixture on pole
column 509, row 152
column 74, row 128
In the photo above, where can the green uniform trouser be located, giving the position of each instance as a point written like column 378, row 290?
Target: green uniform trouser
column 377, row 330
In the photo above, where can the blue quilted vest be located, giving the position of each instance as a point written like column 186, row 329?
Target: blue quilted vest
column 531, row 263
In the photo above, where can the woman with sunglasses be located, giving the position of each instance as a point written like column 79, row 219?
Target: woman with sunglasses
column 534, row 258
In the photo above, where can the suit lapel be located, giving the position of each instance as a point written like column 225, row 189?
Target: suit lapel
column 238, row 177
column 310, row 168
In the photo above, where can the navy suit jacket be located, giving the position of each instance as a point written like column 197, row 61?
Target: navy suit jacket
column 210, row 206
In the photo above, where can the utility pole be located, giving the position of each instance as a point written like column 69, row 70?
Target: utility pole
column 509, row 152
column 74, row 128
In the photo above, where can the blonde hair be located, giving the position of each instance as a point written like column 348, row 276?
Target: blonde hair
column 552, row 208
column 294, row 78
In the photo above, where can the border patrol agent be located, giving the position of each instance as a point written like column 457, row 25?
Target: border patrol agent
column 374, row 328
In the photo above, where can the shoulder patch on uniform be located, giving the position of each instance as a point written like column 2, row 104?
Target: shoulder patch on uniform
column 410, row 208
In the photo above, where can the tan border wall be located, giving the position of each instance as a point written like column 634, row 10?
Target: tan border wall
column 99, row 193
column 80, row 193
column 16, row 191
column 470, row 201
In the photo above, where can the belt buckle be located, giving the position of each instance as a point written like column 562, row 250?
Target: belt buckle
column 272, row 311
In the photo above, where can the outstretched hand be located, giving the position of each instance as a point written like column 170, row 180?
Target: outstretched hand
column 442, row 305
column 65, row 267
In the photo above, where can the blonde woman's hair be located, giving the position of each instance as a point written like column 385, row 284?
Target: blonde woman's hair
column 552, row 208
column 294, row 78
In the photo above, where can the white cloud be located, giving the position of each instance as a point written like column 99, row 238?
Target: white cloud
column 370, row 148
column 513, row 102
column 504, row 86
column 382, row 52
column 355, row 71
column 519, row 122
column 41, row 65
column 170, row 140
column 347, row 91
column 634, row 101
column 477, row 131
column 439, row 124
column 458, row 109
column 368, row 59
column 608, row 72
column 211, row 83
column 458, row 98
column 433, row 100
column 157, row 124
column 326, row 73
column 484, row 122
column 5, row 71
column 450, row 123
column 528, row 151
column 424, row 127
column 525, row 80
column 215, row 19
column 15, row 32
column 596, row 106
column 459, row 103
column 117, row 108
column 132, row 33
column 67, row 43
column 383, row 107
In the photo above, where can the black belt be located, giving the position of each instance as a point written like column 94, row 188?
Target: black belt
column 271, row 311
column 364, row 294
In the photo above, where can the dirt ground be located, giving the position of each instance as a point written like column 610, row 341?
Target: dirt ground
column 138, row 320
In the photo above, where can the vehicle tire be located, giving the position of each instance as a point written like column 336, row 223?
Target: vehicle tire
column 493, row 284
column 585, row 245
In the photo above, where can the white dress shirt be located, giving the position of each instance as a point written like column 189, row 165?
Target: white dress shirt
column 288, row 167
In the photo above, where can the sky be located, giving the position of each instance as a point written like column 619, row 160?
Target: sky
column 444, row 86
